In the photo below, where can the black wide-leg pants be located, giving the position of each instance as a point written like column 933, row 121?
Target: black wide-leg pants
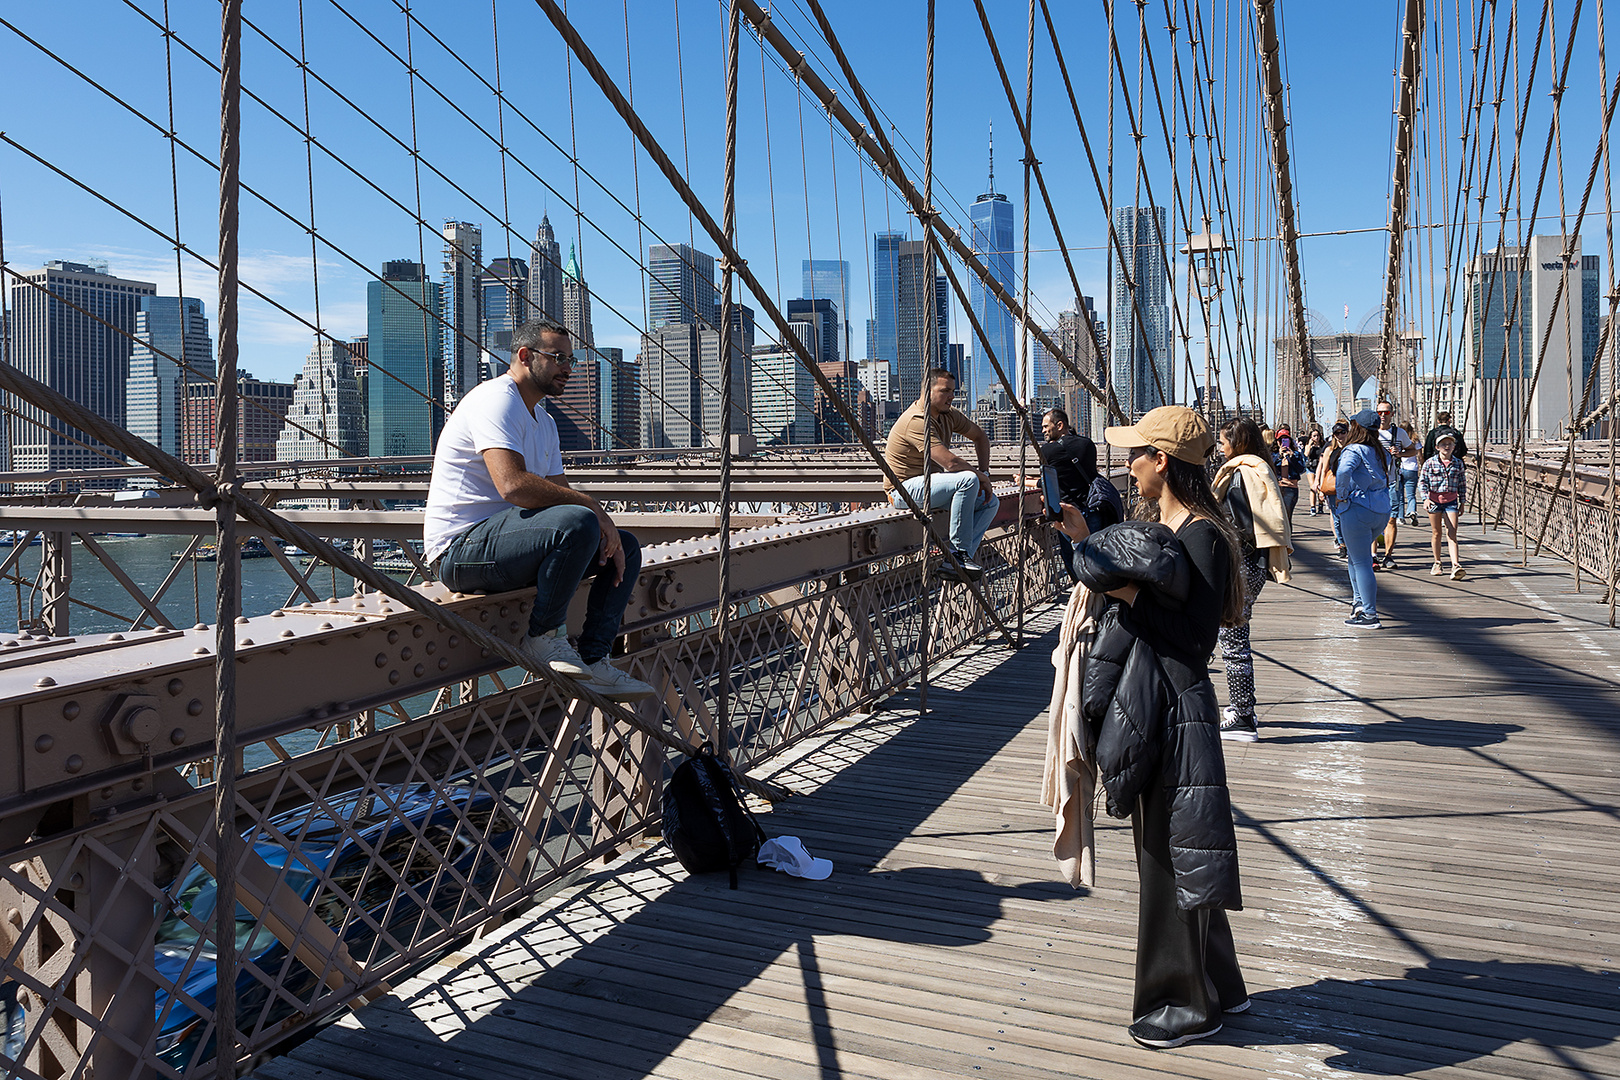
column 1186, row 963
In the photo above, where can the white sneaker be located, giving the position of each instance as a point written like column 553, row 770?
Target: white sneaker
column 552, row 649
column 617, row 685
column 1458, row 573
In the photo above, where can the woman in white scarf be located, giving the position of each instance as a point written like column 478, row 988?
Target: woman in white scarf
column 1248, row 489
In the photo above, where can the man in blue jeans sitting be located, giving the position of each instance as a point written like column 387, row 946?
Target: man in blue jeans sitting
column 501, row 515
column 951, row 481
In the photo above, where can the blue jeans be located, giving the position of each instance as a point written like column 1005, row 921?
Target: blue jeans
column 1403, row 494
column 1359, row 526
column 553, row 549
column 972, row 510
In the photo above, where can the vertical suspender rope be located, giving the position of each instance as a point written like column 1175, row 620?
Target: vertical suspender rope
column 1025, row 375
column 228, row 568
column 929, row 335
column 1611, row 535
column 728, row 221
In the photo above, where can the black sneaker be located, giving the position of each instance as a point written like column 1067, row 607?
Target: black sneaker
column 1389, row 562
column 1364, row 621
column 1235, row 728
column 972, row 569
column 1155, row 1037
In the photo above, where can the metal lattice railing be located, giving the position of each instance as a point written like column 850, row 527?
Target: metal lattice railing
column 367, row 857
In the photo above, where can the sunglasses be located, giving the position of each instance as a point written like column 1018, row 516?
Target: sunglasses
column 1138, row 451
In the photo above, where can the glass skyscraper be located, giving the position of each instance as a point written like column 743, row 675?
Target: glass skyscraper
column 680, row 287
column 460, row 329
column 883, row 340
column 991, row 216
column 80, row 350
column 406, row 361
column 923, row 334
column 167, row 329
column 1139, row 348
column 828, row 279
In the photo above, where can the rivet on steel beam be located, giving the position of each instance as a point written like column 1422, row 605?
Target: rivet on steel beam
column 324, row 626
column 393, row 636
column 417, row 671
column 405, row 653
column 73, row 764
column 455, row 639
column 306, row 605
column 278, row 614
column 70, row 711
column 201, row 650
column 200, row 626
column 359, row 618
column 393, row 677
column 10, row 645
column 504, row 610
column 418, row 630
column 44, row 743
column 76, row 881
column 382, row 660
column 431, row 648
column 44, row 680
column 444, row 662
column 241, row 620
column 288, row 633
column 245, row 642
column 112, row 637
column 177, row 736
column 175, row 686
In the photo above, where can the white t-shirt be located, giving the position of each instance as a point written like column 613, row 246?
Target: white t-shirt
column 461, row 494
column 1395, row 439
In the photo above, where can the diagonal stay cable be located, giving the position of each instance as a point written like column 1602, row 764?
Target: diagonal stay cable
column 42, row 396
column 700, row 213
column 876, row 146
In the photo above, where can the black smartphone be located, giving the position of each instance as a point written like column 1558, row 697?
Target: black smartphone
column 1049, row 493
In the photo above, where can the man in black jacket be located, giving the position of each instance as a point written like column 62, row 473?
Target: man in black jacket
column 1442, row 426
column 1074, row 457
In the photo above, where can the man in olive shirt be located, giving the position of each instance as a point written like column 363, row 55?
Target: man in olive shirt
column 951, row 481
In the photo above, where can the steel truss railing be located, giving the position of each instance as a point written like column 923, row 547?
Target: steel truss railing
column 415, row 826
column 1556, row 508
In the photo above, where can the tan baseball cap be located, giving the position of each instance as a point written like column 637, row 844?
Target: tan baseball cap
column 1175, row 429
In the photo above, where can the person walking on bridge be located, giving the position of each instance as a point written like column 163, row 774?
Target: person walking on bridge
column 1158, row 749
column 501, row 516
column 1249, row 493
column 1443, row 485
column 1361, row 499
column 951, row 481
column 1405, row 458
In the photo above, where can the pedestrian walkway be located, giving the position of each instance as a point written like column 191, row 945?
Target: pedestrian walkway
column 1427, row 832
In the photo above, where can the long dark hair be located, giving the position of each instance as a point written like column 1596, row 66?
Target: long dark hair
column 1366, row 437
column 1189, row 483
column 1244, row 436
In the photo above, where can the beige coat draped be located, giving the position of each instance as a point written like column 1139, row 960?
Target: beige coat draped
column 1069, row 780
column 1271, row 531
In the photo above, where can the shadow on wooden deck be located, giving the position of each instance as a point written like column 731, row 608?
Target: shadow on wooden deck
column 1427, row 843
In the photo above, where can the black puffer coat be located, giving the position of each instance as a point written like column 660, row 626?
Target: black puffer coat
column 1150, row 731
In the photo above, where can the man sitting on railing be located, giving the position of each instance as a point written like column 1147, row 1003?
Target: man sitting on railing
column 501, row 516
column 951, row 482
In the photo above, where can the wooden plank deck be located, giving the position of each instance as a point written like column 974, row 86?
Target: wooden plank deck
column 1427, row 833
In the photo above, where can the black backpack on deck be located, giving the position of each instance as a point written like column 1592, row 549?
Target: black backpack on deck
column 705, row 822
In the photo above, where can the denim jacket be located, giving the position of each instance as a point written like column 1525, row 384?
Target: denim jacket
column 1361, row 479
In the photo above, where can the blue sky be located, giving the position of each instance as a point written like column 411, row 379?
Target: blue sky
column 366, row 190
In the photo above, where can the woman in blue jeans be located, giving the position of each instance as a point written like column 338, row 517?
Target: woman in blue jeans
column 1361, row 501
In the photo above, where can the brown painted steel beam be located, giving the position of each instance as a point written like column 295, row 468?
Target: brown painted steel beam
column 88, row 711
